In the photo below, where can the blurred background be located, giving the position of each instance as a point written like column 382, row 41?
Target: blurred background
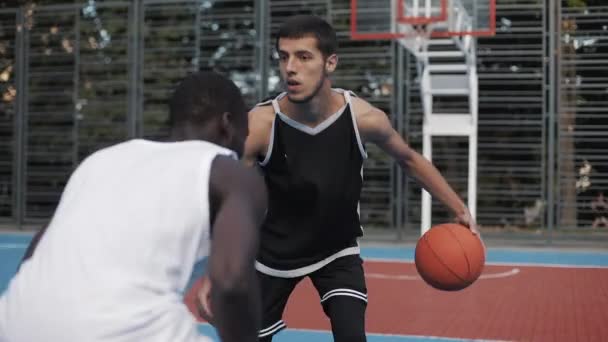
column 79, row 76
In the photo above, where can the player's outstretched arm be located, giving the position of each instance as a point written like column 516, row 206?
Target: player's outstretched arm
column 376, row 128
column 241, row 204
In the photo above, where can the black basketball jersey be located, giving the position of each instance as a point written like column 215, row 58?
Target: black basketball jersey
column 314, row 180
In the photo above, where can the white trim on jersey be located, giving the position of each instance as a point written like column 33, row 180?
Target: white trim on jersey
column 275, row 103
column 269, row 101
column 359, row 204
column 270, row 145
column 310, row 130
column 300, row 126
column 352, row 114
column 302, row 271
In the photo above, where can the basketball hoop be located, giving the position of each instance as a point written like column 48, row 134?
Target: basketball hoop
column 396, row 19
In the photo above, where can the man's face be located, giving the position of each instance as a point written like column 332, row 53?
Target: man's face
column 303, row 67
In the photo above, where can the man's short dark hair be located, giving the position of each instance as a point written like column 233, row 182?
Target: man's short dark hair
column 301, row 26
column 203, row 95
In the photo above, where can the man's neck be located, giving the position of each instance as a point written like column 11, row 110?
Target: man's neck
column 315, row 111
column 189, row 132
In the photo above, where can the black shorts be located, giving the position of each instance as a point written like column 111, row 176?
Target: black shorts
column 341, row 277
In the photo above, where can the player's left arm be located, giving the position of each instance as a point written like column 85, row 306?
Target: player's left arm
column 375, row 127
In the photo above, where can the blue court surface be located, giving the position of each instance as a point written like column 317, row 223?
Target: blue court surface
column 299, row 335
column 12, row 247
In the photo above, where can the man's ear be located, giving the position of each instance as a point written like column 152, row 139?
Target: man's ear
column 227, row 127
column 331, row 63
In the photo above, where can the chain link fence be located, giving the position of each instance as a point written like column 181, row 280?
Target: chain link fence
column 78, row 77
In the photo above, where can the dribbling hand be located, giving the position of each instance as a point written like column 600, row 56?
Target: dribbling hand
column 466, row 219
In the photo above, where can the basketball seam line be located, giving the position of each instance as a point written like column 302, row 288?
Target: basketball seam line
column 441, row 261
column 464, row 252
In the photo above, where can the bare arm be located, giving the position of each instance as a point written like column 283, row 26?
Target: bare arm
column 260, row 128
column 242, row 204
column 261, row 119
column 376, row 128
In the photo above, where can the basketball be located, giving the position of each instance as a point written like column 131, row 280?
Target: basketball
column 449, row 257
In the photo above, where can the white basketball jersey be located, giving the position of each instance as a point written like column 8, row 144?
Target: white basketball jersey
column 117, row 256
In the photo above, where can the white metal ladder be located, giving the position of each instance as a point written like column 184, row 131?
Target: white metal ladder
column 448, row 69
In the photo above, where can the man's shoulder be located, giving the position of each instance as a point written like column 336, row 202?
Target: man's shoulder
column 262, row 113
column 361, row 107
column 225, row 167
column 261, row 120
column 267, row 102
column 371, row 120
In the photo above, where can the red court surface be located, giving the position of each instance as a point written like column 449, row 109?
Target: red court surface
column 520, row 303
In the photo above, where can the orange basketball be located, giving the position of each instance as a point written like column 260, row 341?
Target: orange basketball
column 450, row 257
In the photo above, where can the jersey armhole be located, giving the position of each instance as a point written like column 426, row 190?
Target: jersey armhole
column 206, row 169
column 266, row 159
column 353, row 115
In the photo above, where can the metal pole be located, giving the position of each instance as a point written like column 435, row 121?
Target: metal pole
column 25, row 113
column 139, row 53
column 405, row 93
column 133, row 68
column 400, row 94
column 544, row 148
column 393, row 172
column 76, row 115
column 197, row 40
column 18, row 191
column 552, row 106
column 262, row 18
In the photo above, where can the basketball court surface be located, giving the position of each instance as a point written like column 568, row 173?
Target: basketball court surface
column 522, row 295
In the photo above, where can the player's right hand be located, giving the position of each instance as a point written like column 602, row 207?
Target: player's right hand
column 204, row 300
column 465, row 218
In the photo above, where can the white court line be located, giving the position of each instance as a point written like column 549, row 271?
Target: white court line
column 13, row 246
column 526, row 264
column 415, row 277
column 520, row 264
